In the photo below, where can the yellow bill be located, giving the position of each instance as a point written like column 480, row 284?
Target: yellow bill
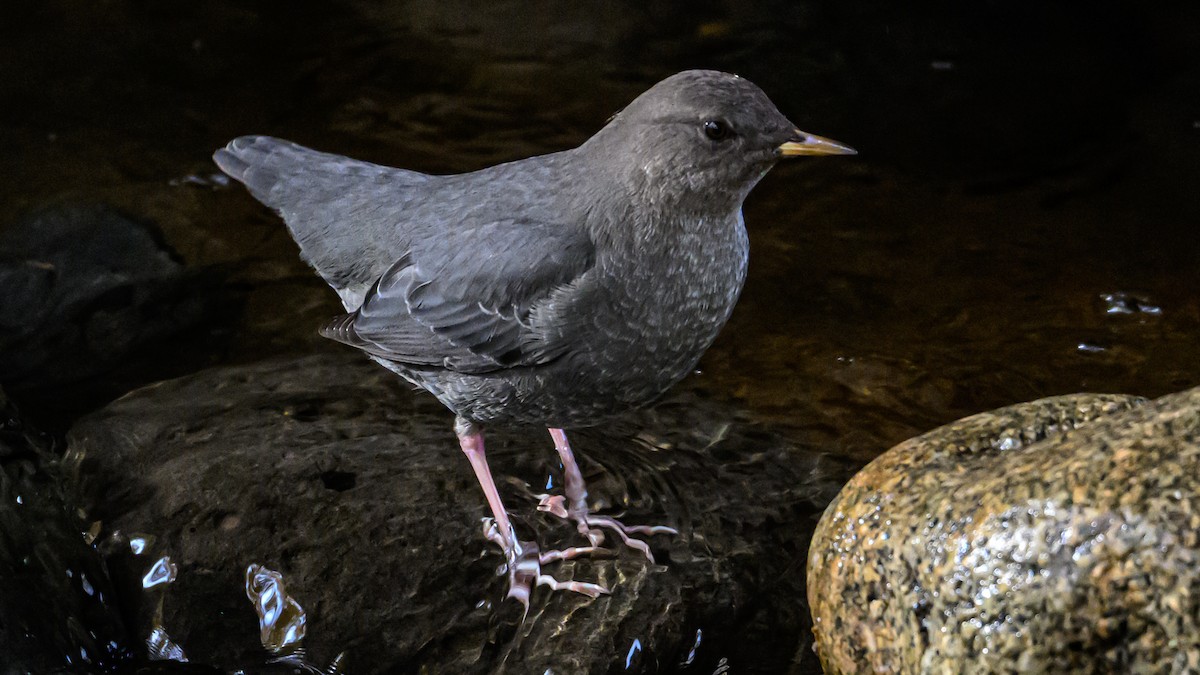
column 811, row 144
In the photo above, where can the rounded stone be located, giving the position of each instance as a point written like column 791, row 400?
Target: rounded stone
column 321, row 484
column 1057, row 535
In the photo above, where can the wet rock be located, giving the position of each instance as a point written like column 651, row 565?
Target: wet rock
column 57, row 608
column 90, row 298
column 1059, row 535
column 330, row 472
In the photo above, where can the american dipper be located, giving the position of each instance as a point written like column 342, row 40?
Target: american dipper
column 558, row 290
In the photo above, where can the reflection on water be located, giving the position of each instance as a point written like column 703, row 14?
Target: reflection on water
column 160, row 647
column 281, row 619
column 162, row 572
column 138, row 545
column 691, row 655
column 1129, row 303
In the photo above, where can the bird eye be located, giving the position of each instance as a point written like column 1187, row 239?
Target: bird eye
column 717, row 130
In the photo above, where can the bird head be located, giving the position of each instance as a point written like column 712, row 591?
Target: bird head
column 701, row 137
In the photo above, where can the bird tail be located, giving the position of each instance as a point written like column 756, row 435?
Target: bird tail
column 262, row 163
column 333, row 205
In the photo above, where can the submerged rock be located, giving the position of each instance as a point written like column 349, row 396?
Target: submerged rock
column 328, row 472
column 1061, row 535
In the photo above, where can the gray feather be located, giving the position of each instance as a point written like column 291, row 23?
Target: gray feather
column 560, row 289
column 473, row 318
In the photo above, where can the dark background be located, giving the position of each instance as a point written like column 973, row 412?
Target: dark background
column 1007, row 150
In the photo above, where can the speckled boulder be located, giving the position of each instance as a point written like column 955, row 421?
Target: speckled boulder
column 1061, row 535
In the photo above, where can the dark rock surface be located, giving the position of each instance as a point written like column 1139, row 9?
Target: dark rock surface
column 1058, row 535
column 90, row 298
column 330, row 471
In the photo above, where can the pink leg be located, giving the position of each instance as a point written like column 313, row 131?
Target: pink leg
column 576, row 505
column 472, row 447
column 523, row 559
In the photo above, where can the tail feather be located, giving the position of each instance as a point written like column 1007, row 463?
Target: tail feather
column 274, row 169
column 342, row 330
column 247, row 160
column 342, row 212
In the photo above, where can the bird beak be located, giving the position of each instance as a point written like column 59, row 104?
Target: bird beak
column 809, row 144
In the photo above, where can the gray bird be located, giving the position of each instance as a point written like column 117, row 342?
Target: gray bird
column 559, row 290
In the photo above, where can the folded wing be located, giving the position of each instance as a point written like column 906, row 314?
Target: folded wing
column 495, row 304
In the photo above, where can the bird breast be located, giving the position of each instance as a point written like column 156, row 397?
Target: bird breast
column 666, row 303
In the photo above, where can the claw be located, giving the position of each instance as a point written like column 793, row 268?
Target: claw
column 574, row 552
column 590, row 590
column 624, row 531
column 553, row 504
column 523, row 560
column 524, row 566
column 574, row 506
column 556, row 505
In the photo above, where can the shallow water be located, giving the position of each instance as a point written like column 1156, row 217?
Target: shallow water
column 1020, row 222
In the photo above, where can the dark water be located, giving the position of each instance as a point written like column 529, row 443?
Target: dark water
column 1021, row 221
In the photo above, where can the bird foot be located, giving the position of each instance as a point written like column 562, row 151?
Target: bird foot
column 589, row 525
column 524, row 560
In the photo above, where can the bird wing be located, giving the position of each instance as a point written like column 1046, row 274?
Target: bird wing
column 481, row 300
